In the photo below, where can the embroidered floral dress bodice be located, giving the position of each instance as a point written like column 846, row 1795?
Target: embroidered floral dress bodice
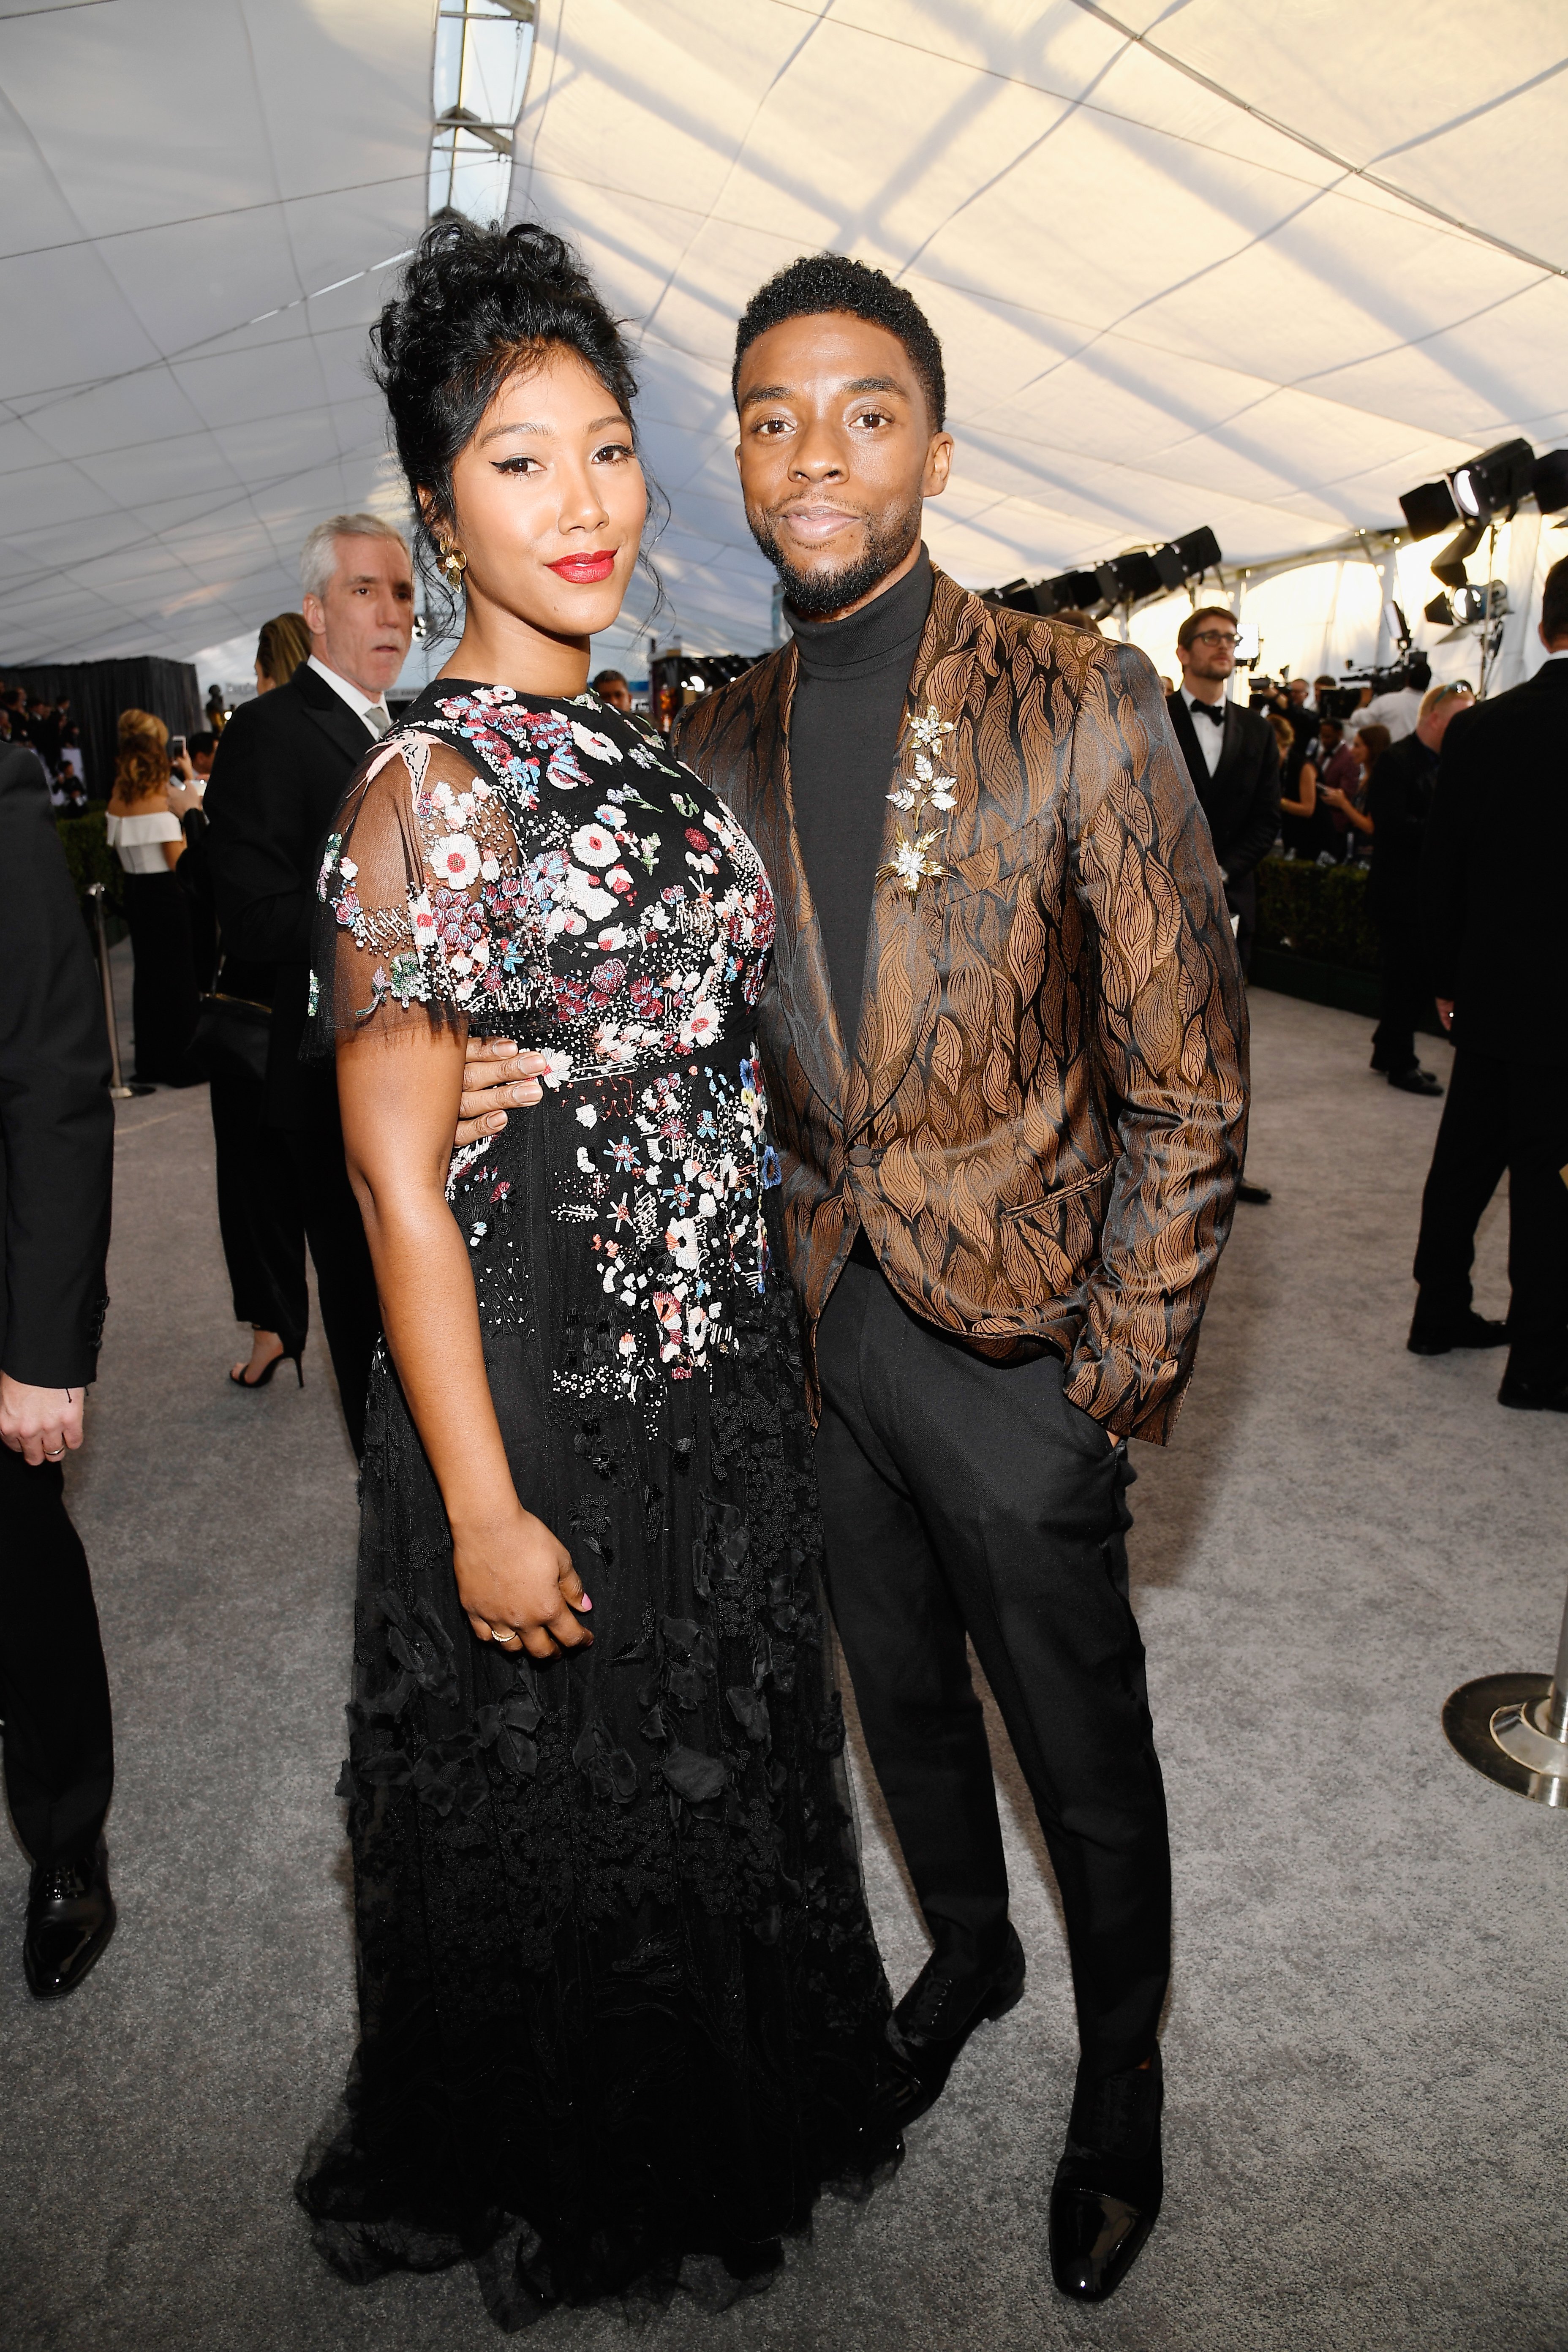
column 558, row 878
column 620, row 2003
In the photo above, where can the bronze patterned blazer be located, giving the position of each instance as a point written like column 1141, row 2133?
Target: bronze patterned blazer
column 1041, row 1119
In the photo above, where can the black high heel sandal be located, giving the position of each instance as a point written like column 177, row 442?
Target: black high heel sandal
column 287, row 1356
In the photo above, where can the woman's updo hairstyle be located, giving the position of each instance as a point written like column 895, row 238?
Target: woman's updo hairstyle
column 474, row 304
column 141, row 756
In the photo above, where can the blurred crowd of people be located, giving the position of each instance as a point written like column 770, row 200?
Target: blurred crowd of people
column 53, row 734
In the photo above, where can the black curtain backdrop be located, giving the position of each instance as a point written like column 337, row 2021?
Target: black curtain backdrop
column 100, row 690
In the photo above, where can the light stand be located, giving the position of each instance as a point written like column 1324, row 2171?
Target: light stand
column 1514, row 1728
column 118, row 1091
column 1491, row 627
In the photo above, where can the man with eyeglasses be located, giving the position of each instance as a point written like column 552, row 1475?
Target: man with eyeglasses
column 1233, row 761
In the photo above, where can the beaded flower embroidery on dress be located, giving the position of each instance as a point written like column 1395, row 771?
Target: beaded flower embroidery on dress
column 619, row 939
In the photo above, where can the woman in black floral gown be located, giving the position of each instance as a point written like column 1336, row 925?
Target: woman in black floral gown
column 622, row 2013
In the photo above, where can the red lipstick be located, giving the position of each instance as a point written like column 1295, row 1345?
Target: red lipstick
column 582, row 569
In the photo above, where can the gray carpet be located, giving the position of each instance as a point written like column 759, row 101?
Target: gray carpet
column 1363, row 2050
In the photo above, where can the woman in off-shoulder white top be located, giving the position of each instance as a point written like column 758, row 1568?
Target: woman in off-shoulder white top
column 145, row 836
column 147, row 843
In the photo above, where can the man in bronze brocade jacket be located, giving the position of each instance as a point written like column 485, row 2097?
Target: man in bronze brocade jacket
column 1005, row 1043
column 1005, row 1039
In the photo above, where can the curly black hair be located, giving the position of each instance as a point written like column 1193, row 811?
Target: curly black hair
column 474, row 304
column 832, row 281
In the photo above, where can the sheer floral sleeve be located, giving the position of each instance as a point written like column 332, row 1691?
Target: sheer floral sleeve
column 426, row 916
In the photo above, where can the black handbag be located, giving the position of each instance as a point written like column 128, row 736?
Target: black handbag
column 232, row 1035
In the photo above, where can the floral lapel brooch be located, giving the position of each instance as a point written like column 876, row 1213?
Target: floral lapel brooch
column 912, row 862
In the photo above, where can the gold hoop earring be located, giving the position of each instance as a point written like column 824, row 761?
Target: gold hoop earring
column 454, row 563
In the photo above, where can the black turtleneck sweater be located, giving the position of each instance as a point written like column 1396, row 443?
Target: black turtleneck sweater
column 844, row 729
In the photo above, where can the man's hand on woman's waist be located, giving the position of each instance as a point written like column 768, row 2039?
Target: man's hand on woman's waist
column 496, row 1078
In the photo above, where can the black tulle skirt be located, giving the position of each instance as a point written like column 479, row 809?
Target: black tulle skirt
column 621, row 2008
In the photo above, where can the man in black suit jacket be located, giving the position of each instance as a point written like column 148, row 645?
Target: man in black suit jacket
column 1232, row 759
column 57, row 1160
column 1234, row 765
column 282, row 767
column 1492, row 904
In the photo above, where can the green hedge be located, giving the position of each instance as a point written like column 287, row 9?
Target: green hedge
column 85, row 841
column 1317, row 912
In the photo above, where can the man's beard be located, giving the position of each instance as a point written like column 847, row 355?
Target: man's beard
column 815, row 595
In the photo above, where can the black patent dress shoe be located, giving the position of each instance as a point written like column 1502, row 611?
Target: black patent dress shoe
column 941, row 2010
column 1431, row 1337
column 70, row 1918
column 1106, row 2196
column 1256, row 1193
column 1547, row 1392
column 1415, row 1081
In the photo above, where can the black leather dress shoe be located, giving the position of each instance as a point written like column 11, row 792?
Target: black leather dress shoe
column 1415, row 1081
column 1109, row 2183
column 941, row 2010
column 70, row 1918
column 1256, row 1193
column 1430, row 1338
column 1547, row 1393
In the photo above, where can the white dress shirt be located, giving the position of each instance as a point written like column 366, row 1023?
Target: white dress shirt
column 358, row 702
column 1397, row 711
column 1210, row 739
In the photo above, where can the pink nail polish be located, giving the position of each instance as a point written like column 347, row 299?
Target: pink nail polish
column 584, row 1602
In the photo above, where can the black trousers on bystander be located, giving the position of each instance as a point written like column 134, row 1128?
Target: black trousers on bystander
column 345, row 1279
column 54, row 1689
column 258, row 1212
column 965, row 1498
column 1407, row 999
column 1501, row 1116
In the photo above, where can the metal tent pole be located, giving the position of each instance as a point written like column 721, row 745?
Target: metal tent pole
column 119, row 1090
column 1514, row 1728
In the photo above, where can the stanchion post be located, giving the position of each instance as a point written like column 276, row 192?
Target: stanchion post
column 1554, row 1714
column 1514, row 1728
column 119, row 1090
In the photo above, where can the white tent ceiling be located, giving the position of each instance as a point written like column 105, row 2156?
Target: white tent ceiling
column 1261, row 268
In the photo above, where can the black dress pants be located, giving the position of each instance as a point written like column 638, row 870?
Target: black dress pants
column 962, row 1498
column 54, row 1690
column 258, row 1212
column 1407, row 999
column 345, row 1281
column 1502, row 1115
column 163, row 978
column 1241, row 901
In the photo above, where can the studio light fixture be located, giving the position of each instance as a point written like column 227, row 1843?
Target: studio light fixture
column 1429, row 509
column 1137, row 576
column 1549, row 483
column 1070, row 591
column 1495, row 482
column 1129, row 578
column 1467, row 605
column 1484, row 489
column 1449, row 567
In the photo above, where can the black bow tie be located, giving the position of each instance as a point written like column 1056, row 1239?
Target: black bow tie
column 1215, row 710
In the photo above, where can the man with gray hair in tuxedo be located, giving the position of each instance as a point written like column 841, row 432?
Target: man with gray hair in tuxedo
column 282, row 765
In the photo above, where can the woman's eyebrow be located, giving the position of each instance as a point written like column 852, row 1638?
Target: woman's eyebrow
column 599, row 424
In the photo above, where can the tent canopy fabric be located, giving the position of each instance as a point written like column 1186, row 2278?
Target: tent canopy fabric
column 1258, row 269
